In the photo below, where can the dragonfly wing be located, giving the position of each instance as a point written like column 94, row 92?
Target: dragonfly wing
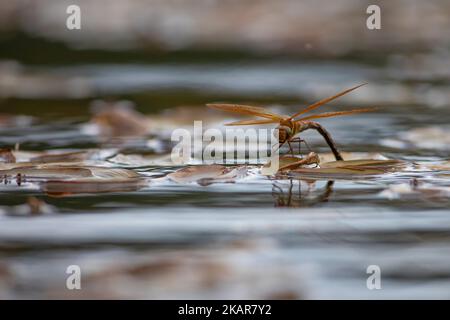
column 251, row 122
column 248, row 110
column 335, row 114
column 326, row 100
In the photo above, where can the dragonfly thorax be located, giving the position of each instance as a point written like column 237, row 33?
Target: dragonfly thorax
column 287, row 130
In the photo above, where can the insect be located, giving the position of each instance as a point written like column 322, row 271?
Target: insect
column 291, row 126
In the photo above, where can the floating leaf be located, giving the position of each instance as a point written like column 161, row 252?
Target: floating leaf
column 54, row 157
column 363, row 164
column 62, row 157
column 43, row 172
column 296, row 165
column 63, row 180
column 206, row 174
column 288, row 162
column 66, row 188
column 350, row 168
column 137, row 160
column 329, row 157
column 311, row 159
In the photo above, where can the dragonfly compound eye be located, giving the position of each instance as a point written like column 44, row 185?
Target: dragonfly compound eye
column 284, row 133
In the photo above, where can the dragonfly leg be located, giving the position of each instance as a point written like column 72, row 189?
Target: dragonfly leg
column 307, row 145
column 299, row 144
column 279, row 146
column 299, row 140
column 290, row 147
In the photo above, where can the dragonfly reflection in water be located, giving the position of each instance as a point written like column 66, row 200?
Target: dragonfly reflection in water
column 286, row 196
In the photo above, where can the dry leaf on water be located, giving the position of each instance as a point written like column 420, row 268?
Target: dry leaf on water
column 138, row 160
column 64, row 180
column 206, row 174
column 28, row 158
column 62, row 157
column 67, row 188
column 332, row 169
column 329, row 157
column 288, row 162
column 350, row 168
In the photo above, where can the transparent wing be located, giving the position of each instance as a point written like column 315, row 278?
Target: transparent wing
column 324, row 101
column 248, row 110
column 335, row 114
column 251, row 122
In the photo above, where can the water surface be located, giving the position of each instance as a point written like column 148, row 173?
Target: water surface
column 256, row 237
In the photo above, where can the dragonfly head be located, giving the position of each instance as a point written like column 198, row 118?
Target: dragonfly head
column 284, row 133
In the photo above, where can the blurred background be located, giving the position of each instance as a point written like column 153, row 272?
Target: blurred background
column 143, row 68
column 221, row 49
column 259, row 27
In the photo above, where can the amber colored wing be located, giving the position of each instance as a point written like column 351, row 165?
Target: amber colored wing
column 323, row 101
column 335, row 114
column 251, row 122
column 248, row 110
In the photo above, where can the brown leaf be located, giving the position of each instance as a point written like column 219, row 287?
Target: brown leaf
column 288, row 162
column 350, row 168
column 206, row 174
column 62, row 157
column 67, row 188
column 64, row 180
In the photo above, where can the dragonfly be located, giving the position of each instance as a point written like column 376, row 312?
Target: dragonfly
column 290, row 126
